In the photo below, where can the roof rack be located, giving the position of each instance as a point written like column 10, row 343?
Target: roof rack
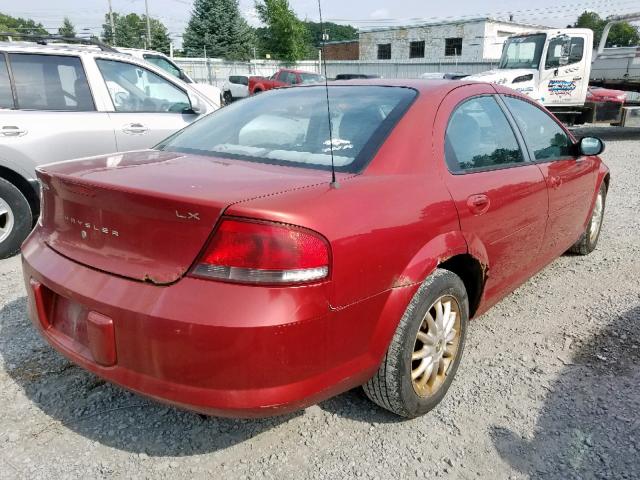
column 47, row 39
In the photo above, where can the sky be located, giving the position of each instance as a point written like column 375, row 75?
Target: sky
column 89, row 14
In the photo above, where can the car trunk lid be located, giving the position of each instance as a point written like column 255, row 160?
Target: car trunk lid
column 147, row 215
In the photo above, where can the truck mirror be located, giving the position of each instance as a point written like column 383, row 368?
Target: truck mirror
column 565, row 53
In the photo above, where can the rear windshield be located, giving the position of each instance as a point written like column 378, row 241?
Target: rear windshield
column 290, row 127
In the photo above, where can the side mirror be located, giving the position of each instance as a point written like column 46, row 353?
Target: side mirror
column 590, row 146
column 195, row 104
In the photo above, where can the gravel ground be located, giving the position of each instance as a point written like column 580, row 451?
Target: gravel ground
column 549, row 388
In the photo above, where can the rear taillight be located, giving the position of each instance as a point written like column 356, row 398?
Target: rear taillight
column 248, row 251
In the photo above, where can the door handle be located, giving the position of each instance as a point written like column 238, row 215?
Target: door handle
column 478, row 204
column 555, row 182
column 135, row 129
column 12, row 131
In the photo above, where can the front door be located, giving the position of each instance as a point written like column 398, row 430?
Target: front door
column 501, row 197
column 147, row 107
column 571, row 178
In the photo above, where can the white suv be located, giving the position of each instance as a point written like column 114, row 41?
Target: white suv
column 59, row 102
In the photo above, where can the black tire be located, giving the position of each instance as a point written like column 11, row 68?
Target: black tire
column 20, row 212
column 227, row 97
column 392, row 387
column 588, row 241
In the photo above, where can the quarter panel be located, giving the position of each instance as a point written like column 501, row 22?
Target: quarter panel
column 378, row 227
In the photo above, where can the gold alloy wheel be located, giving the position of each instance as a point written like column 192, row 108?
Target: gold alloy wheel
column 436, row 346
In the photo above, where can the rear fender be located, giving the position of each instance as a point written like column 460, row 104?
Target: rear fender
column 438, row 250
column 423, row 264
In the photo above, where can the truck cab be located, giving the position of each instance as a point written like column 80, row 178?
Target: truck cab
column 550, row 66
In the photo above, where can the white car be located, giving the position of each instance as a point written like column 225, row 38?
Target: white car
column 235, row 88
column 65, row 101
column 159, row 59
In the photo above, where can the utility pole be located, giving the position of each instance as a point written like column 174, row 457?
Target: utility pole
column 113, row 26
column 146, row 8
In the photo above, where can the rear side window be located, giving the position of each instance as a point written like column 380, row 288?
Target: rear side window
column 50, row 82
column 479, row 137
column 543, row 135
column 290, row 127
column 6, row 96
column 289, row 77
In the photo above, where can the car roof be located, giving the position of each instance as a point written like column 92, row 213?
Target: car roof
column 423, row 86
column 140, row 50
column 59, row 48
column 293, row 70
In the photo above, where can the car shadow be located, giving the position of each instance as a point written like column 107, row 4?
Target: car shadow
column 354, row 405
column 99, row 411
column 589, row 426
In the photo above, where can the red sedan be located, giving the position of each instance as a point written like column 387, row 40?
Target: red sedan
column 225, row 273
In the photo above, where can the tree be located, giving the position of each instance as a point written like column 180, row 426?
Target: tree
column 67, row 29
column 285, row 36
column 335, row 32
column 218, row 27
column 20, row 25
column 131, row 32
column 621, row 34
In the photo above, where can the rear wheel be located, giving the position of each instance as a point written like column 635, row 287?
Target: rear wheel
column 426, row 350
column 15, row 219
column 588, row 241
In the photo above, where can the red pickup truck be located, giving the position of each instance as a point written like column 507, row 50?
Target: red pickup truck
column 282, row 78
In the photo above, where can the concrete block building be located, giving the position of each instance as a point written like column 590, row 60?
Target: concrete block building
column 473, row 40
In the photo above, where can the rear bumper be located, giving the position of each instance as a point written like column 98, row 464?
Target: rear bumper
column 215, row 348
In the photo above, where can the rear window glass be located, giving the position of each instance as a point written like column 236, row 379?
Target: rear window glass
column 291, row 127
column 311, row 78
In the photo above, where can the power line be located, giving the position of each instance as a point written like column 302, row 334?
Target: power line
column 560, row 8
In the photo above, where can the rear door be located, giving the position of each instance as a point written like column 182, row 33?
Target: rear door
column 52, row 115
column 501, row 197
column 147, row 108
column 571, row 179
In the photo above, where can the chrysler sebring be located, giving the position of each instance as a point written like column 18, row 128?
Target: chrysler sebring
column 224, row 271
